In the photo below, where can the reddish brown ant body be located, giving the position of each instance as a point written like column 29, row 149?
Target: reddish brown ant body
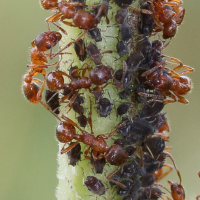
column 167, row 16
column 166, row 80
column 98, row 76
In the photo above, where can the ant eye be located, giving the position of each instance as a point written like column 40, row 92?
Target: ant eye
column 178, row 191
column 48, row 46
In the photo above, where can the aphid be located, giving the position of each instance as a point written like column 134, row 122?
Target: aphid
column 123, row 191
column 134, row 61
column 95, row 185
column 104, row 107
column 123, row 109
column 95, row 34
column 121, row 48
column 94, row 53
column 98, row 165
column 130, row 169
column 80, row 52
column 121, row 15
column 139, row 129
column 148, row 180
column 125, row 31
column 52, row 100
column 124, row 94
column 154, row 146
column 82, row 120
column 147, row 23
column 125, row 130
column 74, row 154
column 78, row 108
column 151, row 109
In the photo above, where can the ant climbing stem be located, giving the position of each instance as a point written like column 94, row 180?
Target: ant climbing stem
column 177, row 191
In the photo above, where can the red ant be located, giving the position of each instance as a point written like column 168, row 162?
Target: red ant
column 98, row 76
column 43, row 42
column 80, row 18
column 114, row 154
column 164, row 79
column 167, row 15
column 177, row 190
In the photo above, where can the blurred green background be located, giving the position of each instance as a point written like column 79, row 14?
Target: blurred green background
column 27, row 144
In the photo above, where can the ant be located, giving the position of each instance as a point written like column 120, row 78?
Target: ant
column 167, row 16
column 198, row 197
column 98, row 76
column 177, row 190
column 163, row 79
column 115, row 154
column 81, row 18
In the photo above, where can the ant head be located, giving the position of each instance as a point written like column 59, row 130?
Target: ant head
column 47, row 40
column 180, row 16
column 49, row 4
column 65, row 132
column 177, row 191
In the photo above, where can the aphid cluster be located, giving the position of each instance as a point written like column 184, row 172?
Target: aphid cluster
column 142, row 80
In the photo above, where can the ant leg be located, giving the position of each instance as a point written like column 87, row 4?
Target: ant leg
column 85, row 69
column 59, row 52
column 180, row 65
column 73, row 123
column 138, row 9
column 71, row 101
column 121, row 85
column 115, row 130
column 66, row 23
column 53, row 18
column 151, row 95
column 150, row 71
column 171, row 158
column 166, row 45
column 90, row 117
column 116, row 182
column 33, row 66
column 39, row 97
column 86, row 153
column 181, row 99
column 162, row 186
column 169, row 167
column 70, row 147
column 60, row 28
column 101, row 10
column 198, row 197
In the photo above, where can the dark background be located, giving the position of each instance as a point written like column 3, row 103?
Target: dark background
column 27, row 144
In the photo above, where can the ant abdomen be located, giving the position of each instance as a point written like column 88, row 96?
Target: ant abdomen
column 30, row 89
column 65, row 132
